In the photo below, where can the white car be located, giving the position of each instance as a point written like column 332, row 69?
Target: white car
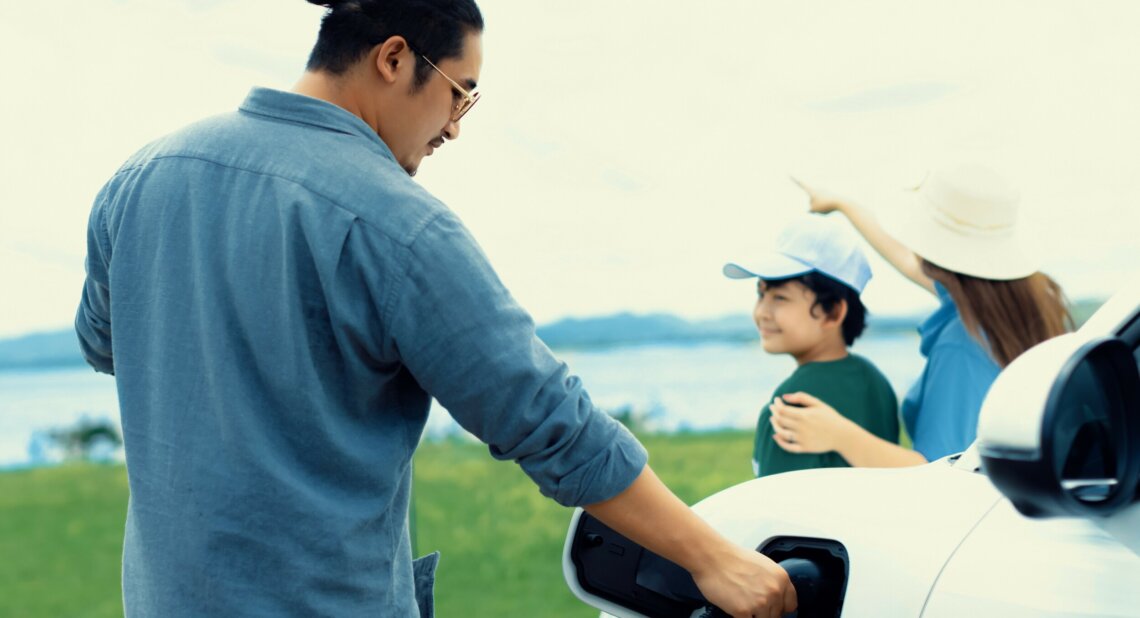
column 1040, row 517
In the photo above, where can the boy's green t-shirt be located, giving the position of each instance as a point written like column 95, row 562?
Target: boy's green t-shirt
column 851, row 385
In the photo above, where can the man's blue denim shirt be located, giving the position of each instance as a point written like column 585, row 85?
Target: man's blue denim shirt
column 284, row 300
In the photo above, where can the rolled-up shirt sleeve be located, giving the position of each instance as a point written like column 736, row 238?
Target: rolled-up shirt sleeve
column 93, row 318
column 469, row 344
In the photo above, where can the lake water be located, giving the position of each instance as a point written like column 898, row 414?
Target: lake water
column 671, row 387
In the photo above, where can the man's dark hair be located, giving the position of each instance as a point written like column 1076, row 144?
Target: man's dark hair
column 434, row 28
column 828, row 292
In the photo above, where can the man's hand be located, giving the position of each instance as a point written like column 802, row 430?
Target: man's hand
column 741, row 582
column 746, row 583
column 808, row 425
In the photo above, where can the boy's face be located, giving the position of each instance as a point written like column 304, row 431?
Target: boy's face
column 787, row 323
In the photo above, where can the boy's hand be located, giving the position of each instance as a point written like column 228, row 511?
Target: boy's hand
column 820, row 202
column 807, row 425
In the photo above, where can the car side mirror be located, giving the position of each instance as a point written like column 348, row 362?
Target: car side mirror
column 1059, row 432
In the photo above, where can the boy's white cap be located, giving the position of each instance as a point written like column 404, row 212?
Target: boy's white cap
column 812, row 242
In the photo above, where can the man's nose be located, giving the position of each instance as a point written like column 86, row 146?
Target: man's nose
column 451, row 129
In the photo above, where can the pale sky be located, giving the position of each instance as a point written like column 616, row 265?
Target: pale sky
column 622, row 151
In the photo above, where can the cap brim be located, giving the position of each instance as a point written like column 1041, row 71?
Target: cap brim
column 771, row 266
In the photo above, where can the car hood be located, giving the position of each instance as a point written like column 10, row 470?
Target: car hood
column 900, row 526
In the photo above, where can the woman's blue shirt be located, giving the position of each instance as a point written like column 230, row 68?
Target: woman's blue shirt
column 941, row 409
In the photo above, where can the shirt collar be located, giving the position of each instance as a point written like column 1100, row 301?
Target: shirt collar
column 301, row 109
column 938, row 320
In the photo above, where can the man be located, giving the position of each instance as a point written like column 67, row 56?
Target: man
column 285, row 300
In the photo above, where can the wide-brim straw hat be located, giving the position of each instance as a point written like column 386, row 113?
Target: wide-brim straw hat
column 964, row 219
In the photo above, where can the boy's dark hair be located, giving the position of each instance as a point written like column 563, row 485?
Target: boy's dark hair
column 828, row 292
column 433, row 28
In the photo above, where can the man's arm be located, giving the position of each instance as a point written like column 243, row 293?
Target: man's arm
column 739, row 581
column 464, row 339
column 93, row 318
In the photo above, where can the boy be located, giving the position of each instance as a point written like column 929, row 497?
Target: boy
column 808, row 306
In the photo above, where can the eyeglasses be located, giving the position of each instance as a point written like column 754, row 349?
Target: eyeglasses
column 466, row 99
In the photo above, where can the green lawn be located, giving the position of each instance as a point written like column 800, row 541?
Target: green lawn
column 61, row 538
column 501, row 541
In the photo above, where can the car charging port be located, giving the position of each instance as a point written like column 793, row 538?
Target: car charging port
column 818, row 569
column 614, row 568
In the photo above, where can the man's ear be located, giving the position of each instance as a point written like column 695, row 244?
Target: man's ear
column 392, row 58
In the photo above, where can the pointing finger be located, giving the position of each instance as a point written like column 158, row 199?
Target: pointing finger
column 799, row 183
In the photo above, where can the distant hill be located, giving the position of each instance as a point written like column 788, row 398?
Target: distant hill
column 52, row 349
column 1084, row 308
column 61, row 348
column 632, row 329
column 629, row 328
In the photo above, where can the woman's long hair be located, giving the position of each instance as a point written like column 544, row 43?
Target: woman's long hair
column 1007, row 317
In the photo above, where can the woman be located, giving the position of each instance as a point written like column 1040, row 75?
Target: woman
column 956, row 240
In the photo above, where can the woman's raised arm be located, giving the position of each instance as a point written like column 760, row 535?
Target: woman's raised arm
column 903, row 259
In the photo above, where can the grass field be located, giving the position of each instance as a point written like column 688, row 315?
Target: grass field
column 501, row 541
column 61, row 536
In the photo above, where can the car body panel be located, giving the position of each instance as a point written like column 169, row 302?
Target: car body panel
column 1014, row 566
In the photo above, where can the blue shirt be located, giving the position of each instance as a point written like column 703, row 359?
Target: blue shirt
column 941, row 409
column 278, row 301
